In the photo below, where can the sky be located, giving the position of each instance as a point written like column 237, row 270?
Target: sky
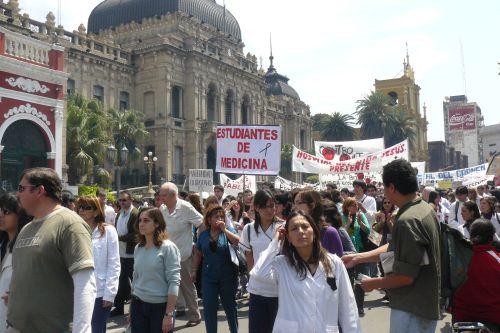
column 333, row 50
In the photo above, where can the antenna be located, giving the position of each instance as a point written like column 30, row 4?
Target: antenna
column 58, row 12
column 271, row 58
column 462, row 58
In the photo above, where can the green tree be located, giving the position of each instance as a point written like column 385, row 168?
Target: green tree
column 338, row 127
column 401, row 127
column 320, row 121
column 127, row 130
column 86, row 139
column 374, row 115
column 286, row 161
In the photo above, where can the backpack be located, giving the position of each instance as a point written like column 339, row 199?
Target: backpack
column 456, row 254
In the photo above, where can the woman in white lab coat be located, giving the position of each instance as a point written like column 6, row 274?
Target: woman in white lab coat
column 314, row 292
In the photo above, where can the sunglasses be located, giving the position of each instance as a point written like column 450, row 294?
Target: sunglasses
column 86, row 208
column 22, row 188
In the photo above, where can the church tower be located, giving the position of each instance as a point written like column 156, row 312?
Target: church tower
column 405, row 92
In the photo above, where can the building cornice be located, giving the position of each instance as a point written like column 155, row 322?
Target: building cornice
column 30, row 98
column 32, row 71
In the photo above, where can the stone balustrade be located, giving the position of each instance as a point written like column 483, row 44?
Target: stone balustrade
column 19, row 46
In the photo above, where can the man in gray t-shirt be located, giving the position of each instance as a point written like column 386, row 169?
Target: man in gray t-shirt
column 52, row 259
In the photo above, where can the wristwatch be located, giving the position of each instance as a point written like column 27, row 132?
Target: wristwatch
column 171, row 314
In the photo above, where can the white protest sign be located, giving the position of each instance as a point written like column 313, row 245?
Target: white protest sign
column 235, row 186
column 305, row 162
column 467, row 175
column 201, row 180
column 345, row 180
column 346, row 150
column 283, row 184
column 249, row 150
column 420, row 166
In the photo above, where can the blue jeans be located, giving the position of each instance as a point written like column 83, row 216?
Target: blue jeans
column 147, row 317
column 402, row 321
column 226, row 289
column 99, row 316
column 262, row 313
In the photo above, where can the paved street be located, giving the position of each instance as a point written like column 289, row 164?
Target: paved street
column 376, row 319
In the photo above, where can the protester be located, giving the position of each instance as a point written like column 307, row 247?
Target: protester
column 413, row 286
column 309, row 201
column 195, row 200
column 180, row 217
column 426, row 192
column 234, row 213
column 368, row 204
column 52, row 262
column 12, row 219
column 442, row 212
column 333, row 217
column 283, row 206
column 354, row 221
column 478, row 299
column 219, row 193
column 68, row 200
column 314, row 291
column 384, row 220
column 157, row 266
column 219, row 276
column 487, row 208
column 473, row 196
column 255, row 238
column 456, row 218
column 470, row 213
column 106, row 259
column 109, row 212
column 125, row 222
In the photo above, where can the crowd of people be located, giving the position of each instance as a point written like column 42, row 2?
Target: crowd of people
column 304, row 258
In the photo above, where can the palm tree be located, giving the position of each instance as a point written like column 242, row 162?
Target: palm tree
column 85, row 139
column 374, row 115
column 402, row 127
column 286, row 161
column 338, row 127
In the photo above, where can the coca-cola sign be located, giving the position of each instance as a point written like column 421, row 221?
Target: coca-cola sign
column 461, row 119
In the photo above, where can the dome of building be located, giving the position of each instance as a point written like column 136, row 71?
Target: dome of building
column 277, row 84
column 112, row 13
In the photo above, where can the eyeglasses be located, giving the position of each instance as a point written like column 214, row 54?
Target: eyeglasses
column 86, row 208
column 22, row 188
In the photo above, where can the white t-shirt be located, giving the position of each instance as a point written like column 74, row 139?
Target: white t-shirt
column 370, row 204
column 258, row 243
column 109, row 214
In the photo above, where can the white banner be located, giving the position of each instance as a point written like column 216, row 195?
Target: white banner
column 234, row 187
column 346, row 150
column 305, row 162
column 249, row 150
column 345, row 180
column 420, row 166
column 201, row 180
column 287, row 185
column 467, row 175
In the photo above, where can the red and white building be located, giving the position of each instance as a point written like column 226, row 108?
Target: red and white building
column 32, row 105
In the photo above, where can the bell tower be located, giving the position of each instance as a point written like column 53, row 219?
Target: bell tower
column 404, row 91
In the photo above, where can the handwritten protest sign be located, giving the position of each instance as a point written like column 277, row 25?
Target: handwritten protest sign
column 346, row 150
column 235, row 186
column 201, row 180
column 249, row 150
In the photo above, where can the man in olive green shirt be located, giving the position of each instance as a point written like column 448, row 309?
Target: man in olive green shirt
column 413, row 285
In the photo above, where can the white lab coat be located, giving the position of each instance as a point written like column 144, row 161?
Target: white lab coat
column 5, row 278
column 309, row 305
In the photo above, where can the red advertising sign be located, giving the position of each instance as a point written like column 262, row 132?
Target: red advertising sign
column 462, row 119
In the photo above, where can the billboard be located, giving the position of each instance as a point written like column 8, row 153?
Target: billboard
column 462, row 118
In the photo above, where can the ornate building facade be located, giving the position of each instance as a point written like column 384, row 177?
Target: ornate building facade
column 180, row 62
column 405, row 92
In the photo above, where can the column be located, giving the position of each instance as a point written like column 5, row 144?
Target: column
column 51, row 160
column 1, row 149
column 59, row 116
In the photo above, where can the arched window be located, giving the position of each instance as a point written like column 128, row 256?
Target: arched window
column 211, row 102
column 394, row 98
column 245, row 109
column 229, row 107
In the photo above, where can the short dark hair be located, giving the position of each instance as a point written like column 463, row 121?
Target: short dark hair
column 373, row 187
column 46, row 177
column 402, row 175
column 66, row 198
column 183, row 195
column 219, row 187
column 482, row 232
column 462, row 190
column 361, row 183
column 345, row 190
column 332, row 185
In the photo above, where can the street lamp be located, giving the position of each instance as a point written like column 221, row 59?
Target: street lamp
column 117, row 165
column 150, row 160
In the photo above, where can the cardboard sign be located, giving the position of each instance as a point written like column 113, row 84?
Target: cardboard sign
column 249, row 150
column 305, row 162
column 234, row 187
column 201, row 180
column 346, row 150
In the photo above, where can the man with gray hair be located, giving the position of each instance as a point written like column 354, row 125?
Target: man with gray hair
column 425, row 193
column 180, row 217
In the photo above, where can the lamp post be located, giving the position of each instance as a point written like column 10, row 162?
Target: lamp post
column 118, row 159
column 150, row 160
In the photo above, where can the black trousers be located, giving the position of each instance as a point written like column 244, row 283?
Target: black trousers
column 262, row 312
column 146, row 317
column 124, row 283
